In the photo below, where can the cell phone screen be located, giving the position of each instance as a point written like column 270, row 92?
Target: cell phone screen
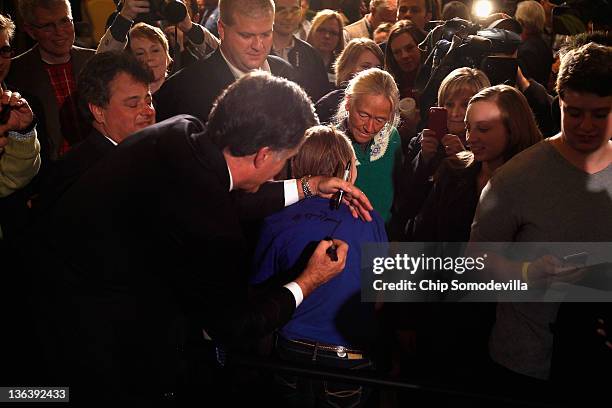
column 437, row 121
column 576, row 259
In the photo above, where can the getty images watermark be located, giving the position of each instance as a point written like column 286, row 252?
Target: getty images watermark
column 483, row 272
column 429, row 264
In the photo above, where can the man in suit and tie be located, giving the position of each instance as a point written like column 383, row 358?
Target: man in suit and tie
column 147, row 248
column 245, row 30
column 48, row 70
column 115, row 97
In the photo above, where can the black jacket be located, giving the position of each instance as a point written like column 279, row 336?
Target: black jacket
column 327, row 106
column 535, row 59
column 193, row 90
column 142, row 252
column 448, row 212
column 310, row 72
column 66, row 171
column 416, row 184
column 541, row 104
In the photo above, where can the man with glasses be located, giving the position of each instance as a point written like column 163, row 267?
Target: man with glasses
column 48, row 70
column 381, row 11
column 309, row 69
column 245, row 31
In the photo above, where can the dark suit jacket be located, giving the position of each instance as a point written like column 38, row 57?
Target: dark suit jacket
column 193, row 90
column 327, row 106
column 535, row 59
column 310, row 72
column 28, row 75
column 64, row 172
column 145, row 245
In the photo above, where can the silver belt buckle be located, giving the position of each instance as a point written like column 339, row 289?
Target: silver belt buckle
column 340, row 351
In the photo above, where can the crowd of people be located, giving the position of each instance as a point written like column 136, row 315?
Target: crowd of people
column 197, row 190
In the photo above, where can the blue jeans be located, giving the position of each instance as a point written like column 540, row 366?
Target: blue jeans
column 299, row 391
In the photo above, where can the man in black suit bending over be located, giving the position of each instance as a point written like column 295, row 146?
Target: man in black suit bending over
column 245, row 30
column 148, row 249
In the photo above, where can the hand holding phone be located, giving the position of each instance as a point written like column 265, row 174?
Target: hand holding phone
column 577, row 259
column 573, row 263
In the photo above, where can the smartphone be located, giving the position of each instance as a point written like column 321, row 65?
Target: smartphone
column 579, row 258
column 437, row 121
column 500, row 70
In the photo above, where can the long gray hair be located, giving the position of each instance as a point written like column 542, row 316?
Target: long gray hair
column 373, row 81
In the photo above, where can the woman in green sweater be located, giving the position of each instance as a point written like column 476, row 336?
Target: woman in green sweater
column 369, row 115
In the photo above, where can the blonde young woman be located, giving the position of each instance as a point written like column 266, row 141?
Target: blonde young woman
column 425, row 152
column 499, row 124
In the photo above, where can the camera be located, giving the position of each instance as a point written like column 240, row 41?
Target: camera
column 574, row 16
column 172, row 11
column 459, row 43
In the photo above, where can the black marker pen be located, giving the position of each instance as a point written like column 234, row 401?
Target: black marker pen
column 331, row 251
column 340, row 193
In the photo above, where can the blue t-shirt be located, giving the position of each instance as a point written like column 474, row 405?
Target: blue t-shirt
column 333, row 313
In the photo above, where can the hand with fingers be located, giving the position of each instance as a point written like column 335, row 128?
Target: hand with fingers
column 549, row 269
column 429, row 145
column 15, row 111
column 186, row 24
column 132, row 8
column 356, row 199
column 452, row 144
column 321, row 266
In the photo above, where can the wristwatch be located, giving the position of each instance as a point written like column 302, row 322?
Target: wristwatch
column 306, row 187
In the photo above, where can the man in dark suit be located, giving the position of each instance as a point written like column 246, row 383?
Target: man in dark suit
column 147, row 245
column 48, row 71
column 245, row 29
column 115, row 97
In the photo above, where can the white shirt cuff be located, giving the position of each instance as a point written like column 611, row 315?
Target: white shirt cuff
column 291, row 192
column 296, row 291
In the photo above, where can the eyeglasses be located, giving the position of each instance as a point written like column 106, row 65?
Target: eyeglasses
column 288, row 12
column 331, row 33
column 51, row 27
column 7, row 51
